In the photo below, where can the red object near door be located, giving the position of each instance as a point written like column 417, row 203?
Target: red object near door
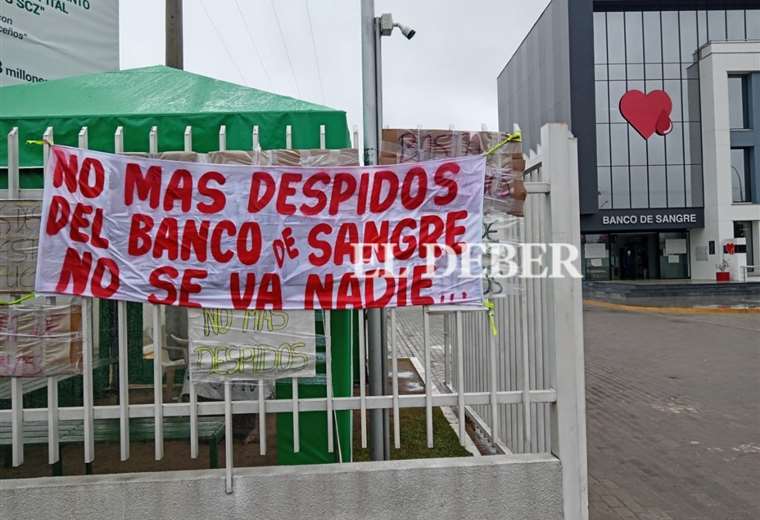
column 723, row 276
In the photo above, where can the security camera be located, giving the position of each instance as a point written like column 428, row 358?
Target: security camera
column 406, row 30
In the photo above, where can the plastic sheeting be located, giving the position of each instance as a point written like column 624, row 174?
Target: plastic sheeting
column 171, row 99
column 504, row 190
column 38, row 339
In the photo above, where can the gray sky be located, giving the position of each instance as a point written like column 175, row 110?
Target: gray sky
column 445, row 76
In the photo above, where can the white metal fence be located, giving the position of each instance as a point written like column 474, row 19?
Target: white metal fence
column 524, row 385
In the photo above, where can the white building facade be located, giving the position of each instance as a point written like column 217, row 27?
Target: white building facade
column 730, row 103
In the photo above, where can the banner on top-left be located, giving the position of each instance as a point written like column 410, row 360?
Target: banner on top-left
column 253, row 237
column 50, row 39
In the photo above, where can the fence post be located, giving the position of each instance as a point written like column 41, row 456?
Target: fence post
column 560, row 162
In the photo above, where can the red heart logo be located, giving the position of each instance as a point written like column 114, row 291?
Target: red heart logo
column 647, row 113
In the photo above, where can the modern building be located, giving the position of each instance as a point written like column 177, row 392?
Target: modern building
column 664, row 98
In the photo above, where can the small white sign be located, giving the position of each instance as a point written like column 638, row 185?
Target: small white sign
column 227, row 345
column 595, row 250
column 675, row 246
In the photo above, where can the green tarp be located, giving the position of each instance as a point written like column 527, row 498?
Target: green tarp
column 172, row 99
column 169, row 98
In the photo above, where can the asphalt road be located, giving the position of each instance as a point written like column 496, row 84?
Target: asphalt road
column 673, row 408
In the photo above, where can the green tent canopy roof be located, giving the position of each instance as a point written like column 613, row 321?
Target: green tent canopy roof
column 171, row 99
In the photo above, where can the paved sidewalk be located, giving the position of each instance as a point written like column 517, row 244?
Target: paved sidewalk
column 410, row 336
column 673, row 411
column 673, row 407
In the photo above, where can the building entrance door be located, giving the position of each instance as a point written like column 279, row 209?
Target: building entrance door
column 634, row 256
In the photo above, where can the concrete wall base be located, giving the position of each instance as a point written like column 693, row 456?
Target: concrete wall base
column 509, row 487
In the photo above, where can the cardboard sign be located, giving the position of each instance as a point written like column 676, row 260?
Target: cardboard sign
column 40, row 340
column 504, row 189
column 19, row 232
column 251, row 344
column 241, row 237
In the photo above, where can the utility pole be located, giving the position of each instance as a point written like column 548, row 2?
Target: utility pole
column 372, row 124
column 174, row 45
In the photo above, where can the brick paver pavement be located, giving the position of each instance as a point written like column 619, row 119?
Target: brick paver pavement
column 673, row 414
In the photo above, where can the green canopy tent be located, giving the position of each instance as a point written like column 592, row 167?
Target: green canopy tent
column 168, row 98
column 171, row 99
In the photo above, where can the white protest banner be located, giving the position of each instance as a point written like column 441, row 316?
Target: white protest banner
column 276, row 237
column 251, row 344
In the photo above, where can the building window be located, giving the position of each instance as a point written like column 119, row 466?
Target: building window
column 737, row 102
column 743, row 229
column 740, row 175
column 648, row 51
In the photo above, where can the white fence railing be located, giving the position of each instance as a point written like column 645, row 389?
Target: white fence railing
column 540, row 341
column 523, row 387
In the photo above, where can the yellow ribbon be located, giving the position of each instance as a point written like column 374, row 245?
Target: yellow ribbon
column 18, row 300
column 491, row 306
column 515, row 136
column 39, row 142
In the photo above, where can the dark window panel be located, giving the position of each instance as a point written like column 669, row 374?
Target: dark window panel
column 617, row 89
column 657, row 198
column 692, row 143
column 672, row 70
column 638, row 147
column 676, row 188
column 735, row 23
column 615, row 38
column 600, row 38
column 716, row 25
column 619, row 141
column 652, row 37
column 656, row 146
column 635, row 71
column 702, row 27
column 639, row 188
column 673, row 88
column 674, row 144
column 691, row 101
column 694, row 176
column 605, row 193
column 634, row 47
column 636, row 84
column 621, row 196
column 692, row 71
column 653, row 71
column 688, row 21
column 670, row 44
column 601, row 101
column 600, row 72
column 603, row 145
column 743, row 229
column 740, row 175
column 737, row 101
column 617, row 71
column 753, row 24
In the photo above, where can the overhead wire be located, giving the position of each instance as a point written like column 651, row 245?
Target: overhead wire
column 285, row 44
column 224, row 44
column 316, row 56
column 253, row 44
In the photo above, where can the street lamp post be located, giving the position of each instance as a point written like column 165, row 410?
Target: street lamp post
column 373, row 28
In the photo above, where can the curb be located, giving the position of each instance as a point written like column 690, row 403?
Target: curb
column 671, row 310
